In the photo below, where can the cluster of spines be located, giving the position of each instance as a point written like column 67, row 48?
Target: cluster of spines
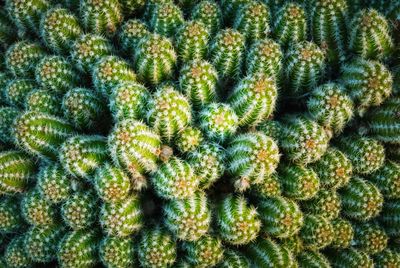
column 207, row 251
column 192, row 41
column 16, row 90
column 36, row 210
column 54, row 183
column 326, row 203
column 166, row 18
column 209, row 13
column 370, row 238
column 116, row 251
column 299, row 182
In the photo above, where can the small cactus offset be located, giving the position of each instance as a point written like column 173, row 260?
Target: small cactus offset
column 41, row 100
column 7, row 117
column 234, row 259
column 205, row 252
column 290, row 24
column 350, row 258
column 281, row 217
column 166, row 19
column 36, row 210
column 59, row 29
column 188, row 140
column 313, row 259
column 192, row 41
column 387, row 258
column 169, row 112
column 131, row 32
column 16, row 90
column 317, row 232
column 369, row 35
column 343, row 233
column 81, row 155
column 188, row 219
column 299, row 182
column 15, row 254
column 252, row 157
column 370, row 238
column 117, row 252
column 157, row 248
column 361, row 200
column 209, row 13
column 11, row 220
column 155, row 59
column 238, row 222
column 326, row 203
column 387, row 179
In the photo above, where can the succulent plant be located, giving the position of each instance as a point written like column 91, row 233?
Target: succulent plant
column 361, row 200
column 317, row 232
column 326, row 203
column 238, row 222
column 117, row 252
column 15, row 254
column 389, row 218
column 370, row 238
column 343, row 233
column 299, row 182
column 387, row 179
column 36, row 210
column 350, row 258
column 166, row 19
column 234, row 259
column 7, row 117
column 205, row 252
column 16, row 90
column 269, row 187
column 387, row 258
column 131, row 32
column 192, row 41
column 312, row 259
column 188, row 219
column 11, row 220
column 209, row 13
column 44, row 101
column 188, row 139
column 271, row 128
column 230, row 9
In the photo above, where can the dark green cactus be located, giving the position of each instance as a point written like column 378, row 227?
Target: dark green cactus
column 166, row 19
column 326, row 203
column 38, row 211
column 192, row 41
column 7, row 117
column 117, row 252
column 299, row 182
column 11, row 220
column 205, row 252
column 317, row 232
column 209, row 13
column 370, row 238
column 44, row 101
column 343, row 233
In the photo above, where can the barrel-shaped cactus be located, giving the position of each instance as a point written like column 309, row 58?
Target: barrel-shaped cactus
column 207, row 251
column 209, row 13
column 36, row 210
column 269, row 187
column 370, row 238
column 7, row 117
column 387, row 258
column 44, row 101
column 11, row 220
column 299, row 182
column 343, row 233
column 117, row 252
column 312, row 259
column 271, row 128
column 234, row 259
column 188, row 140
column 389, row 217
column 192, row 40
column 15, row 254
column 387, row 179
column 326, row 203
column 132, row 31
column 350, row 258
column 166, row 18
column 16, row 90
column 53, row 183
column 317, row 232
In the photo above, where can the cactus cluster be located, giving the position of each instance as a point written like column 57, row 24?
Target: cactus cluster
column 204, row 133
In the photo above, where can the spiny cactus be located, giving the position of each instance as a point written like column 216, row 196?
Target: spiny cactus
column 370, row 238
column 317, row 232
column 169, row 112
column 132, row 31
column 293, row 243
column 347, row 258
column 166, row 19
column 343, row 233
column 209, row 13
column 188, row 219
column 265, row 57
column 269, row 187
column 271, row 128
column 109, row 71
column 128, row 100
column 116, row 252
column 112, row 183
column 56, row 74
column 11, row 220
column 59, row 29
column 227, row 53
column 387, row 258
column 41, row 100
column 157, row 248
column 188, row 140
column 299, row 182
column 83, row 107
column 81, row 155
column 290, row 24
column 238, row 222
column 205, row 252
column 387, row 179
column 361, row 200
column 53, row 183
column 155, row 59
column 7, row 117
column 36, row 210
column 88, row 49
column 122, row 219
column 281, row 217
column 234, row 259
column 303, row 140
column 16, row 90
column 101, row 17
column 330, row 106
column 366, row 154
column 16, row 171
column 21, row 58
column 369, row 35
column 368, row 82
column 15, row 254
column 129, row 7
column 389, row 217
column 192, row 41
column 78, row 249
column 151, row 6
column 79, row 212
column 312, row 259
column 326, row 203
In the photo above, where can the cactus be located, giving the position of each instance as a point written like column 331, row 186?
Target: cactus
column 166, row 19
column 22, row 57
column 343, row 233
column 36, row 210
column 265, row 252
column 129, row 7
column 326, row 203
column 192, row 41
column 238, row 223
column 264, row 57
column 312, row 259
column 389, row 218
column 305, row 63
column 290, row 24
column 330, row 106
column 54, row 184
column 15, row 254
column 205, row 252
column 122, row 219
column 253, row 99
column 169, row 112
column 269, row 187
column 361, row 200
column 370, row 238
column 112, row 183
column 16, row 171
column 387, row 258
column 132, row 31
column 39, row 243
column 218, row 121
column 231, row 8
column 387, row 179
column 88, row 49
column 299, row 182
column 175, row 179
column 317, row 232
column 227, row 53
column 207, row 163
column 188, row 140
column 252, row 157
column 304, row 141
column 293, row 243
column 348, row 258
column 271, row 128
column 59, row 30
column 84, row 108
column 7, row 117
column 369, row 35
column 11, row 220
column 281, row 217
column 116, row 252
column 209, row 13
column 7, row 35
column 16, row 90
column 157, row 248
column 155, row 59
column 109, row 71
column 41, row 100
column 367, row 155
column 188, row 219
column 234, row 259
column 368, row 83
column 56, row 74
column 78, row 249
column 81, row 155
column 79, row 212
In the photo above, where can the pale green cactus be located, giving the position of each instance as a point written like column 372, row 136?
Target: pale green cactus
column 192, row 41
column 16, row 90
column 188, row 140
column 132, row 31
